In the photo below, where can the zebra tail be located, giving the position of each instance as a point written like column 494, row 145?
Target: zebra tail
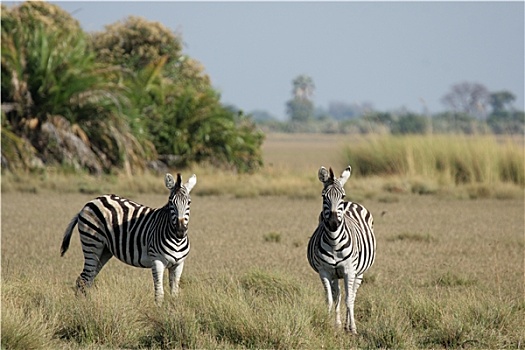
column 67, row 235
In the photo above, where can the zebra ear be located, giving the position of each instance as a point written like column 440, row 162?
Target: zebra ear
column 191, row 182
column 345, row 175
column 169, row 181
column 323, row 174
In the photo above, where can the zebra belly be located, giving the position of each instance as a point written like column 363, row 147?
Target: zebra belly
column 144, row 260
column 94, row 240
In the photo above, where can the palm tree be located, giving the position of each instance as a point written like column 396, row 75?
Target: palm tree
column 50, row 72
column 303, row 87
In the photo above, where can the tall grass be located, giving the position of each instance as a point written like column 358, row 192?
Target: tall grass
column 447, row 159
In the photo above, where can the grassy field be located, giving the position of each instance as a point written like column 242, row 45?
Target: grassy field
column 384, row 167
column 449, row 269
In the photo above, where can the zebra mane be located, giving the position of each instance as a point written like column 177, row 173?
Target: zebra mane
column 179, row 181
column 331, row 174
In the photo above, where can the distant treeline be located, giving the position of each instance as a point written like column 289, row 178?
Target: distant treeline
column 470, row 109
column 507, row 122
column 123, row 99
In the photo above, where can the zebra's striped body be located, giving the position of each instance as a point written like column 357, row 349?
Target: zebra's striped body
column 343, row 245
column 137, row 235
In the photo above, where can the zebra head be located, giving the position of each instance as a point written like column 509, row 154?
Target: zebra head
column 179, row 202
column 333, row 197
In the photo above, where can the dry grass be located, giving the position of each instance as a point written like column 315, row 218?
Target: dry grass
column 441, row 279
column 383, row 167
column 449, row 269
column 446, row 159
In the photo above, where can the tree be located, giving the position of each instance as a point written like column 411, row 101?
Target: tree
column 342, row 110
column 455, row 122
column 174, row 104
column 301, row 107
column 61, row 99
column 410, row 124
column 385, row 118
column 303, row 87
column 114, row 101
column 466, row 97
column 136, row 42
column 501, row 101
column 507, row 122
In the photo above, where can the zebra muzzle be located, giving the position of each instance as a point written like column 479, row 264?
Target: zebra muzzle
column 333, row 221
column 181, row 228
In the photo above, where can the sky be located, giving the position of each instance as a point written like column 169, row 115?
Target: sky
column 394, row 55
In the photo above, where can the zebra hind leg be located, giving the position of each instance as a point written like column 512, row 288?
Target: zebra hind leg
column 91, row 270
column 350, row 291
column 82, row 285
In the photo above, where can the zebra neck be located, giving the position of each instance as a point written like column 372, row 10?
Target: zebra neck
column 334, row 235
column 167, row 226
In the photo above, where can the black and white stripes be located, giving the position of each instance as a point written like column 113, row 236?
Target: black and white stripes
column 342, row 246
column 137, row 235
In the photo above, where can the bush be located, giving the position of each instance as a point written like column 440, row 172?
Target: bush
column 410, row 124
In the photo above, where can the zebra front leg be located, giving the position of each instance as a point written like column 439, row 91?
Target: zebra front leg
column 350, row 292
column 175, row 273
column 327, row 284
column 336, row 296
column 158, row 273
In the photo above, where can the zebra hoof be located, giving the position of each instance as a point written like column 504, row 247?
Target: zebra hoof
column 81, row 286
column 351, row 331
column 159, row 300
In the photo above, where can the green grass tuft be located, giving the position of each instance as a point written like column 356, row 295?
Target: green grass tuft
column 450, row 279
column 414, row 237
column 272, row 237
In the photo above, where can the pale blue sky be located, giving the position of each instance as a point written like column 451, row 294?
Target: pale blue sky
column 392, row 54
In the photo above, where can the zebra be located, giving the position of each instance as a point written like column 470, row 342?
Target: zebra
column 138, row 235
column 343, row 245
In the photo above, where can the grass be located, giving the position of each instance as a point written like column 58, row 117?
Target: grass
column 272, row 237
column 415, row 237
column 448, row 273
column 447, row 166
column 446, row 159
column 440, row 280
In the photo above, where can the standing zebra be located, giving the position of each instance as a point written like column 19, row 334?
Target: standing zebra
column 137, row 235
column 342, row 246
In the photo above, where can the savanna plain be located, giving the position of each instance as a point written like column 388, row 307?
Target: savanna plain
column 449, row 271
